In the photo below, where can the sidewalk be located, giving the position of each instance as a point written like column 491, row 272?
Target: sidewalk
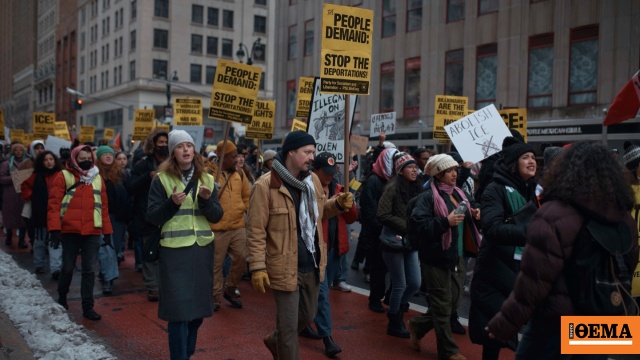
column 12, row 345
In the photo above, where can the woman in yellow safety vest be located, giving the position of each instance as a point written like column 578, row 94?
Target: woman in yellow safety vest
column 631, row 160
column 183, row 201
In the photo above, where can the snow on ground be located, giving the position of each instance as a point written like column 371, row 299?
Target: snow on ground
column 42, row 322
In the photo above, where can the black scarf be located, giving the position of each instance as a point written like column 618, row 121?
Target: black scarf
column 40, row 198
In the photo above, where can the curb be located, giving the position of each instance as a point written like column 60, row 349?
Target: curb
column 12, row 344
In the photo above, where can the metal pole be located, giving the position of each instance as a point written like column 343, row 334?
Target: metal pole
column 347, row 130
column 419, row 133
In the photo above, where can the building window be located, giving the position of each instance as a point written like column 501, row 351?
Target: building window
column 260, row 24
column 227, row 19
column 488, row 6
column 160, row 39
column 454, row 72
column 134, row 9
column 212, row 16
column 261, row 2
column 293, row 42
column 132, row 70
column 387, row 84
column 540, row 77
column 227, row 47
column 486, row 75
column 455, row 10
column 291, row 101
column 82, row 64
column 115, row 76
column 414, row 15
column 119, row 74
column 212, row 45
column 412, row 88
column 132, row 41
column 82, row 39
column 210, row 74
column 197, row 14
column 261, row 86
column 161, row 8
column 196, row 44
column 308, row 38
column 583, row 66
column 196, row 74
column 388, row 18
column 159, row 67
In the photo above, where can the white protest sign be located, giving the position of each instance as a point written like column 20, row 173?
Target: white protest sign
column 478, row 135
column 385, row 122
column 196, row 132
column 327, row 121
column 54, row 144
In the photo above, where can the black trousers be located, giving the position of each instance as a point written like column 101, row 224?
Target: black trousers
column 87, row 246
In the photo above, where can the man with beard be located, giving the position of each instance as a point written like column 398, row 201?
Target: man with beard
column 156, row 150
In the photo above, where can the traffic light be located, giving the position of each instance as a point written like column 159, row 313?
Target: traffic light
column 77, row 104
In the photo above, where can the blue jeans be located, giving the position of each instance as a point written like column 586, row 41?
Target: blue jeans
column 404, row 272
column 323, row 315
column 182, row 338
column 87, row 246
column 118, row 236
column 39, row 246
column 108, row 261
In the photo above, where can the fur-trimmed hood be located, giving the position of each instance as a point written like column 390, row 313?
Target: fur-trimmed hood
column 149, row 141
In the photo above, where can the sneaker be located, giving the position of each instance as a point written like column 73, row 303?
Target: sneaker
column 91, row 315
column 232, row 297
column 216, row 303
column 342, row 286
column 55, row 275
column 153, row 295
column 457, row 328
column 270, row 343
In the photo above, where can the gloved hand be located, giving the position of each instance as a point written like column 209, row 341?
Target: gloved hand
column 345, row 200
column 55, row 238
column 259, row 279
column 107, row 239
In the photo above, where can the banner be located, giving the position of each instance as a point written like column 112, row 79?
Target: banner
column 54, row 143
column 359, row 144
column 327, row 121
column 143, row 123
column 2, row 125
column 87, row 134
column 515, row 119
column 17, row 135
column 298, row 125
column 188, row 112
column 43, row 124
column 479, row 135
column 109, row 133
column 447, row 110
column 305, row 91
column 61, row 130
column 196, row 132
column 235, row 92
column 385, row 122
column 261, row 126
column 347, row 36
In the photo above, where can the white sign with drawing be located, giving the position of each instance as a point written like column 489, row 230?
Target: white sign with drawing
column 385, row 122
column 327, row 121
column 478, row 135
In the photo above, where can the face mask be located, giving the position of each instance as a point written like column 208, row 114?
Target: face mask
column 162, row 151
column 85, row 165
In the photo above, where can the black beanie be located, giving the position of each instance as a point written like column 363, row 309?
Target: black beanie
column 512, row 149
column 296, row 139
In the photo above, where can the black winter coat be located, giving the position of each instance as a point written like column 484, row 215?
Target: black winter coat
column 496, row 269
column 371, row 194
column 138, row 185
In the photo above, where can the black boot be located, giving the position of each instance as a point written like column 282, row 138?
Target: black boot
column 376, row 306
column 404, row 307
column 396, row 326
column 456, row 327
column 8, row 241
column 21, row 243
column 331, row 349
column 62, row 300
column 309, row 333
column 91, row 315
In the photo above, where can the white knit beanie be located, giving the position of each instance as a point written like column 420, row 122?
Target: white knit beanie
column 439, row 163
column 179, row 136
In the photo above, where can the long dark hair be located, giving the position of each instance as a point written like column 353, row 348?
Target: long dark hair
column 588, row 169
column 38, row 164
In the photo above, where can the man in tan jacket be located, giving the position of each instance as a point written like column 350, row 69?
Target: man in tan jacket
column 285, row 208
column 230, row 232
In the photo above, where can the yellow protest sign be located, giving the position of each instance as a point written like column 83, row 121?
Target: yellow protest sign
column 305, row 91
column 109, row 133
column 298, row 125
column 44, row 124
column 345, row 63
column 515, row 119
column 164, row 127
column 143, row 123
column 261, row 126
column 235, row 91
column 87, row 134
column 354, row 184
column 17, row 135
column 61, row 131
column 447, row 110
column 2, row 124
column 187, row 112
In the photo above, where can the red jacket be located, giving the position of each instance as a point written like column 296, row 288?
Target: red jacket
column 27, row 185
column 78, row 219
column 348, row 217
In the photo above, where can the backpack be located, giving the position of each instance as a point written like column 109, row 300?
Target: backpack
column 598, row 280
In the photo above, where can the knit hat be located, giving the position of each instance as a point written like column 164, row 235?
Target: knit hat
column 439, row 163
column 177, row 137
column 211, row 154
column 32, row 146
column 512, row 149
column 104, row 149
column 268, row 155
column 631, row 156
column 388, row 145
column 230, row 147
column 401, row 160
column 549, row 154
column 296, row 139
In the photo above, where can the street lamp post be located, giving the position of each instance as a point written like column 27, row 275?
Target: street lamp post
column 419, row 133
column 256, row 51
column 168, row 110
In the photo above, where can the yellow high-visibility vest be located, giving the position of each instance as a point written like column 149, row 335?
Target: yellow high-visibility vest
column 69, row 181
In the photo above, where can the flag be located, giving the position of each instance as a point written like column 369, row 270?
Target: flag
column 626, row 104
column 116, row 141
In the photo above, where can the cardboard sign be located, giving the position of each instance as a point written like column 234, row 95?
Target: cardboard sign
column 188, row 112
column 479, row 135
column 109, row 133
column 2, row 125
column 447, row 110
column 235, row 91
column 17, row 135
column 87, row 134
column 61, row 130
column 43, row 124
column 515, row 119
column 305, row 92
column 327, row 121
column 298, row 125
column 347, row 39
column 143, row 123
column 196, row 132
column 18, row 176
column 261, row 126
column 164, row 127
column 359, row 144
column 54, row 143
column 385, row 122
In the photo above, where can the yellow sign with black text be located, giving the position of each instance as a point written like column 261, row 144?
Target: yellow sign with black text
column 345, row 63
column 448, row 109
column 261, row 126
column 187, row 111
column 305, row 91
column 61, row 131
column 143, row 123
column 109, row 133
column 164, row 127
column 17, row 135
column 515, row 119
column 235, row 92
column 87, row 134
column 44, row 124
column 298, row 125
